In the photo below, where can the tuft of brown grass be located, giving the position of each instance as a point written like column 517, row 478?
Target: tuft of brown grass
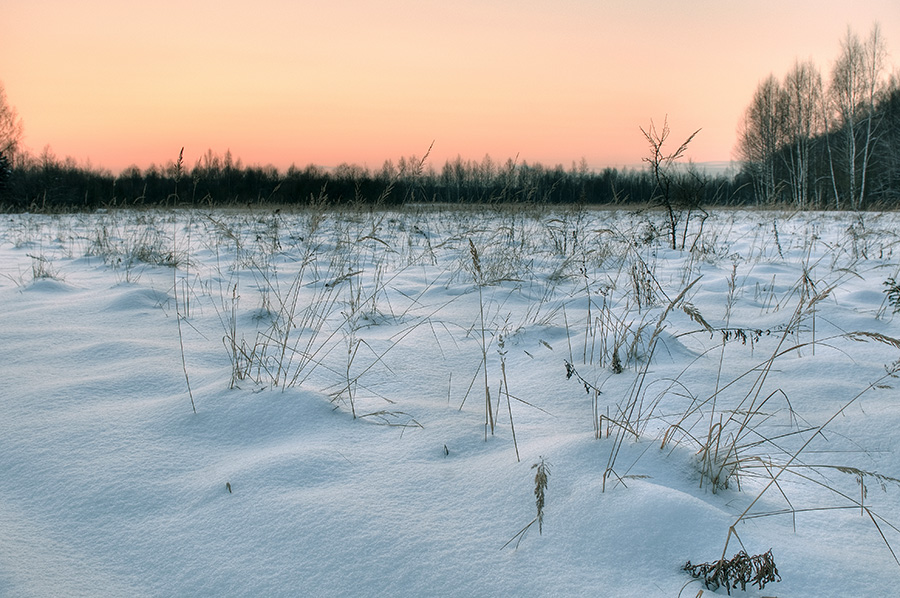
column 741, row 570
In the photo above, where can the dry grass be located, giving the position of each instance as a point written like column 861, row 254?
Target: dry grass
column 541, row 481
column 740, row 570
column 303, row 297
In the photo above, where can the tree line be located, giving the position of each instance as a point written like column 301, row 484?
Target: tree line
column 827, row 142
column 47, row 183
column 805, row 140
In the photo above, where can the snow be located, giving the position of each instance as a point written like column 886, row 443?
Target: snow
column 339, row 445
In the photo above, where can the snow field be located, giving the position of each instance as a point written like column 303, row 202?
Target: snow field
column 340, row 444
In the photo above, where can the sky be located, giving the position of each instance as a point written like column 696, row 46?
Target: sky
column 114, row 83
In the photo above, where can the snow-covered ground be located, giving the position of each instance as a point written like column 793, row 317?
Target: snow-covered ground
column 342, row 443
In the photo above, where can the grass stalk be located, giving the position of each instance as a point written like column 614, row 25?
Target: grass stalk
column 478, row 276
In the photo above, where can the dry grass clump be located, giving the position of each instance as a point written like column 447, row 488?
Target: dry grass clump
column 322, row 278
column 127, row 243
column 42, row 268
column 892, row 294
column 741, row 570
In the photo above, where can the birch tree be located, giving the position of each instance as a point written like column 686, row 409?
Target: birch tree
column 759, row 137
column 802, row 101
column 855, row 83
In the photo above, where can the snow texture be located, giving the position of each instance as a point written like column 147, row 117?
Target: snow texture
column 340, row 445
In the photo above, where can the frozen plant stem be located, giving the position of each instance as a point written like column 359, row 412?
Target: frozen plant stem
column 187, row 380
column 540, row 486
column 479, row 280
column 489, row 415
column 508, row 402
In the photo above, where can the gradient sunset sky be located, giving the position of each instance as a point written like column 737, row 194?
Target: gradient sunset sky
column 277, row 82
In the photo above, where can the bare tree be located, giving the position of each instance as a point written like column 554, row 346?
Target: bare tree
column 855, row 83
column 760, row 135
column 874, row 64
column 666, row 184
column 887, row 186
column 802, row 104
column 10, row 127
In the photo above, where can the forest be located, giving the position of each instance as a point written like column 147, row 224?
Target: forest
column 805, row 140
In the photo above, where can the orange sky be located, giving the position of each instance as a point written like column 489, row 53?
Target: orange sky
column 277, row 82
